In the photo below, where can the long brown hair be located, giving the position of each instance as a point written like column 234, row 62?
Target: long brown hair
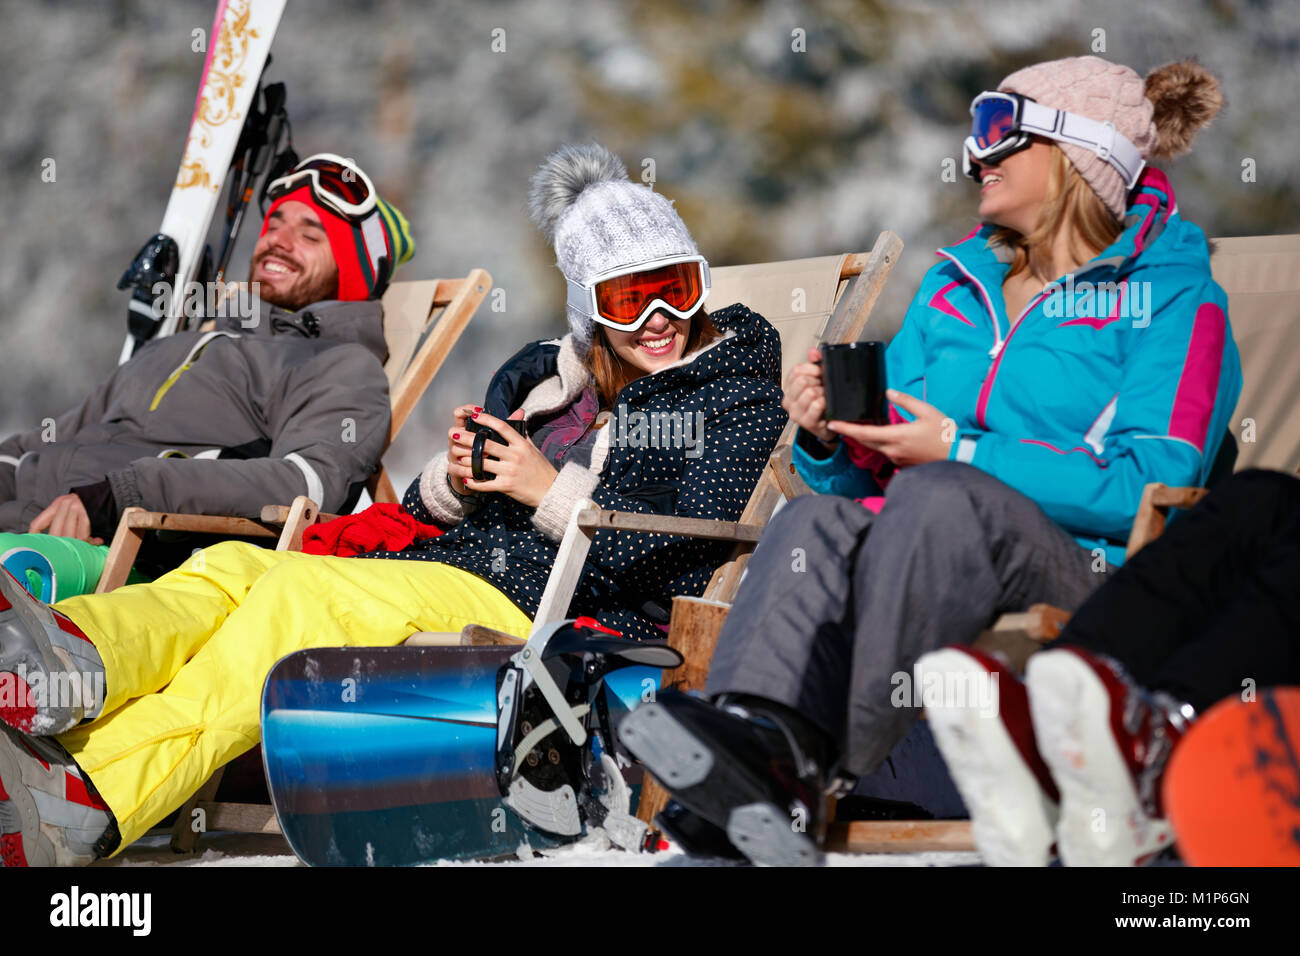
column 1072, row 205
column 612, row 374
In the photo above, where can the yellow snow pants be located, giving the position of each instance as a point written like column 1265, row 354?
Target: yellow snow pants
column 185, row 656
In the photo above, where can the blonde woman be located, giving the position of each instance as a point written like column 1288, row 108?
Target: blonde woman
column 1069, row 350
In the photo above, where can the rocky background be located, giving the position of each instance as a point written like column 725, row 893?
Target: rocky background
column 769, row 151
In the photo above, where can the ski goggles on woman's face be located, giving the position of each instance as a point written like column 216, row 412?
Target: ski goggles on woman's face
column 335, row 183
column 1005, row 123
column 625, row 300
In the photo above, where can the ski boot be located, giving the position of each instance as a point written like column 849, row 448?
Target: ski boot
column 51, row 676
column 694, row 834
column 557, row 759
column 752, row 768
column 1107, row 742
column 993, row 757
column 50, row 815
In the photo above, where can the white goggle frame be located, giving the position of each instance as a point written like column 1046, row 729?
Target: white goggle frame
column 290, row 180
column 1065, row 127
column 582, row 296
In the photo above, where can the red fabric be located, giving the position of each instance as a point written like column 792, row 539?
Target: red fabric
column 382, row 527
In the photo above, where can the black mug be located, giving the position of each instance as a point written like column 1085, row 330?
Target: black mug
column 482, row 435
column 854, row 376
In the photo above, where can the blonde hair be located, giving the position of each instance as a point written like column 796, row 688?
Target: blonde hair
column 1072, row 205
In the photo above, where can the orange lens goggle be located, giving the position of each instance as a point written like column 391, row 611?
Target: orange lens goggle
column 626, row 301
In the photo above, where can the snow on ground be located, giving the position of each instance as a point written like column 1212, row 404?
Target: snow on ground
column 256, row 849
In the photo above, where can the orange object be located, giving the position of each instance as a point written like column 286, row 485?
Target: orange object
column 1232, row 789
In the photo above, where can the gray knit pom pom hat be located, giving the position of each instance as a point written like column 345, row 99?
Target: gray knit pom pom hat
column 600, row 221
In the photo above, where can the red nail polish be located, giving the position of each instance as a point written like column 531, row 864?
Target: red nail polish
column 455, row 435
column 478, row 408
column 475, row 415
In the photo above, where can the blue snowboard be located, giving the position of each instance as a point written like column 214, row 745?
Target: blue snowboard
column 384, row 756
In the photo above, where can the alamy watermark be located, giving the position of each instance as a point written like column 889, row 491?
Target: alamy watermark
column 41, row 690
column 1099, row 303
column 211, row 300
column 658, row 429
column 973, row 689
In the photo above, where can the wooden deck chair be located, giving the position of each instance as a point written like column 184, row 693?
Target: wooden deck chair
column 803, row 298
column 422, row 321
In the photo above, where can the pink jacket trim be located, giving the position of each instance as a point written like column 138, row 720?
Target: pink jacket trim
column 1199, row 384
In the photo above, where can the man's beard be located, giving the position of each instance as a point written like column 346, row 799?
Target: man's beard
column 300, row 293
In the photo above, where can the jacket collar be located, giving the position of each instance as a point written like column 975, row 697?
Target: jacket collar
column 1148, row 215
column 331, row 320
column 571, row 376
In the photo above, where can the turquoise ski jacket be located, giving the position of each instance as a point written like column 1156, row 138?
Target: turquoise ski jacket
column 1123, row 373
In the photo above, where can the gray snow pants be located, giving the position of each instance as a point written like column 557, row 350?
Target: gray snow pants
column 836, row 600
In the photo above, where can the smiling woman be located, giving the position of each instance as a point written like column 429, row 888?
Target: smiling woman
column 180, row 663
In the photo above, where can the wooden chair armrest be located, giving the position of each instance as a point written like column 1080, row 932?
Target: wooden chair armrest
column 142, row 520
column 1163, row 496
column 1042, row 622
column 1016, row 637
column 596, row 519
column 787, row 476
column 1153, row 512
column 279, row 514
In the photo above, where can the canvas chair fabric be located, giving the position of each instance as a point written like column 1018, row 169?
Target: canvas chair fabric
column 797, row 297
column 1261, row 275
column 406, row 319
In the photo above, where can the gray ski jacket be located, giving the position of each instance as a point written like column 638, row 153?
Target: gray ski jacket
column 219, row 422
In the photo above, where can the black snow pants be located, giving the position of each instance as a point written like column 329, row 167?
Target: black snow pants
column 1212, row 606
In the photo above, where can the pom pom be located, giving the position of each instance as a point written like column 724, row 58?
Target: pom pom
column 1186, row 97
column 563, row 176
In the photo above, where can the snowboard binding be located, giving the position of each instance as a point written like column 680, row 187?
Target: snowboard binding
column 556, row 753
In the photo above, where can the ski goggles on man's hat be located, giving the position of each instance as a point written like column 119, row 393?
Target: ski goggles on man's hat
column 624, row 299
column 1005, row 123
column 336, row 183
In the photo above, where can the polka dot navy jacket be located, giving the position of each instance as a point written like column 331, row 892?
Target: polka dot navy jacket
column 690, row 439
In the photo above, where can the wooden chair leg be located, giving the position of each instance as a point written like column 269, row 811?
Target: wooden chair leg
column 185, row 835
column 694, row 629
column 302, row 512
column 122, row 553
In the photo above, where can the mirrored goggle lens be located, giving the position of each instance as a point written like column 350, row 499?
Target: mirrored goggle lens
column 343, row 181
column 992, row 120
column 623, row 298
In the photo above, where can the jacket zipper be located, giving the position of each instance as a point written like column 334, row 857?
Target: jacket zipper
column 190, row 359
column 999, row 343
column 999, row 348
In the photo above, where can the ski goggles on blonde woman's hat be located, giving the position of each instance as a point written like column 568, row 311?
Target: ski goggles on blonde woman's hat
column 1006, row 123
column 626, row 298
column 336, row 183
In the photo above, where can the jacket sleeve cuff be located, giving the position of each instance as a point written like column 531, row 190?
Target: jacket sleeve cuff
column 126, row 489
column 963, row 449
column 820, row 470
column 436, row 494
column 100, row 507
column 571, row 485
